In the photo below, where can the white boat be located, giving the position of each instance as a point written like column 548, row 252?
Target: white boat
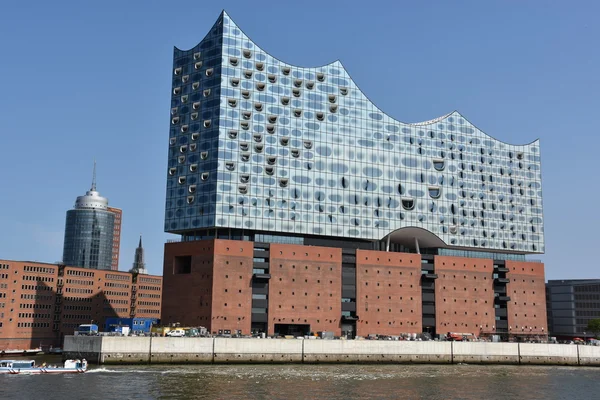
column 15, row 367
column 21, row 352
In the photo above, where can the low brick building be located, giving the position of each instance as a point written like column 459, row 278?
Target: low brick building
column 234, row 286
column 40, row 303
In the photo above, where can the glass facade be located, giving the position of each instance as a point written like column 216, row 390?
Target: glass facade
column 260, row 145
column 89, row 238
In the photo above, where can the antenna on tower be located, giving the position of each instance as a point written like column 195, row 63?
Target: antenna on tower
column 94, row 178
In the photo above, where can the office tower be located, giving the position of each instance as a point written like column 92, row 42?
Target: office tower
column 116, row 246
column 89, row 231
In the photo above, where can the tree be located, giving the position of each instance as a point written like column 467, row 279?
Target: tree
column 594, row 327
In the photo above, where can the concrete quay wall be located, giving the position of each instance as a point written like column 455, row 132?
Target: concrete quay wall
column 143, row 350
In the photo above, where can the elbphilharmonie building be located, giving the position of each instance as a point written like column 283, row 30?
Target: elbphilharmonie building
column 272, row 158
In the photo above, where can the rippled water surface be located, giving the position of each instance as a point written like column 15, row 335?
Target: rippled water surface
column 310, row 382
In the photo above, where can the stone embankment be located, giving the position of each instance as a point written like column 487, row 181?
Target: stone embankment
column 144, row 350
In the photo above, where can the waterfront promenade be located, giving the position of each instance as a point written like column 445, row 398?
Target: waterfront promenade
column 144, row 350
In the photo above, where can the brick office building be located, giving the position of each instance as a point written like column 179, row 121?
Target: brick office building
column 116, row 245
column 301, row 207
column 41, row 303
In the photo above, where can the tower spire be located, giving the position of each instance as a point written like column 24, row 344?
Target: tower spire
column 139, row 266
column 93, row 189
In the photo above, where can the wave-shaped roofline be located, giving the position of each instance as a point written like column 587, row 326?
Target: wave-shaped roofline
column 338, row 61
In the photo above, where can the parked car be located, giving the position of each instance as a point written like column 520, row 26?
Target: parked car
column 176, row 333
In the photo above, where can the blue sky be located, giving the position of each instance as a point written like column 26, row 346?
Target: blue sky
column 85, row 80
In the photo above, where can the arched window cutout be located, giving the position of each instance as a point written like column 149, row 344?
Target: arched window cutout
column 235, row 82
column 193, row 147
column 295, row 153
column 247, row 74
column 244, row 178
column 204, row 176
column 270, row 128
column 272, row 78
column 193, row 167
column 244, row 146
column 258, row 148
column 192, row 189
column 257, row 137
column 408, row 204
column 269, row 170
column 243, row 189
column 245, row 125
column 181, row 180
column 284, row 141
column 230, row 166
column 285, row 101
column 283, row 182
column 203, row 155
column 246, row 115
column 438, row 165
column 296, row 92
column 260, row 86
column 232, row 102
column 258, row 106
column 259, row 66
column 172, row 171
column 247, row 53
column 190, row 199
column 232, row 134
column 285, row 70
column 271, row 160
column 434, row 192
column 197, row 56
column 246, row 94
column 233, row 61
column 320, row 76
column 245, row 157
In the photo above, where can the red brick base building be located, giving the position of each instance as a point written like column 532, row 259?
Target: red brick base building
column 233, row 286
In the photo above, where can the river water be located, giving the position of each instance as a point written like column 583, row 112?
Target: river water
column 430, row 382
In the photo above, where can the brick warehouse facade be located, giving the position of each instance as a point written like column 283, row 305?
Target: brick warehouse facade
column 232, row 286
column 40, row 303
